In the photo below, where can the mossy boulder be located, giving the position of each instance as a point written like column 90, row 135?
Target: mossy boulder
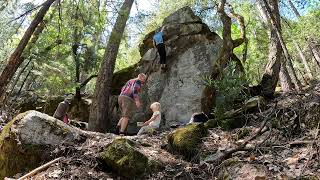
column 186, row 140
column 124, row 159
column 27, row 140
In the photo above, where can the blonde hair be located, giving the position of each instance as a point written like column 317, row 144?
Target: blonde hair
column 156, row 106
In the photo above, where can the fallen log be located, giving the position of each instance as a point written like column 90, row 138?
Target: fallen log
column 39, row 169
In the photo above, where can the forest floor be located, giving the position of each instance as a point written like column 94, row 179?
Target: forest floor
column 289, row 148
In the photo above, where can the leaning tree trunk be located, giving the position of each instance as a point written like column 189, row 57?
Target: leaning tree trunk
column 98, row 120
column 271, row 74
column 268, row 82
column 303, row 60
column 15, row 59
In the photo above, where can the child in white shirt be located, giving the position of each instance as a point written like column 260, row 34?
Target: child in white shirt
column 154, row 122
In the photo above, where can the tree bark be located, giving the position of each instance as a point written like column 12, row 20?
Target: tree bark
column 98, row 120
column 15, row 59
column 315, row 53
column 294, row 8
column 25, row 79
column 271, row 74
column 303, row 60
column 76, row 57
column 285, row 79
column 269, row 79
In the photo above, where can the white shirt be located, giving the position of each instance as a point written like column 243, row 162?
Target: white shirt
column 156, row 123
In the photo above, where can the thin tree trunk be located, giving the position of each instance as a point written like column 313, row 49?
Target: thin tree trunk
column 294, row 8
column 85, row 82
column 98, row 120
column 15, row 59
column 76, row 58
column 25, row 79
column 18, row 76
column 303, row 60
column 27, row 51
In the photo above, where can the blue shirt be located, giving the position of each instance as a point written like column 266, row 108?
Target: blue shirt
column 158, row 38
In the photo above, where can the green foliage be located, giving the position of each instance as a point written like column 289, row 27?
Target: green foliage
column 230, row 90
column 88, row 23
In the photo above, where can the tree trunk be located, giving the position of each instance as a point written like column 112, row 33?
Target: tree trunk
column 315, row 53
column 76, row 57
column 98, row 120
column 271, row 74
column 208, row 95
column 268, row 82
column 25, row 79
column 15, row 59
column 285, row 80
column 303, row 60
column 27, row 51
column 294, row 8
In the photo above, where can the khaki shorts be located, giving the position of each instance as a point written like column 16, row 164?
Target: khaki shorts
column 127, row 106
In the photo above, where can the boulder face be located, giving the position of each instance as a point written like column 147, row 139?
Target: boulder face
column 27, row 140
column 192, row 50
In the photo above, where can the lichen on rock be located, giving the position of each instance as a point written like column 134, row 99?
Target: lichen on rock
column 186, row 140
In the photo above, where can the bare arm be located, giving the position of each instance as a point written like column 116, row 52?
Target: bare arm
column 151, row 119
column 154, row 44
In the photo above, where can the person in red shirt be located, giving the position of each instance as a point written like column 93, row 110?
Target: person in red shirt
column 129, row 101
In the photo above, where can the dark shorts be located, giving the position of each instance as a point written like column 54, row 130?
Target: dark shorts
column 127, row 106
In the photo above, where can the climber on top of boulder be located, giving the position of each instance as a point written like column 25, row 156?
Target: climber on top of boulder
column 158, row 43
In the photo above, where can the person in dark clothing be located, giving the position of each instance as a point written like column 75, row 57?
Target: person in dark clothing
column 61, row 111
column 158, row 43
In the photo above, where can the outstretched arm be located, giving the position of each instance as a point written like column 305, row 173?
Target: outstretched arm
column 150, row 120
column 137, row 87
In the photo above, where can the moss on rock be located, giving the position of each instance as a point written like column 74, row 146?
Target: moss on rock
column 211, row 123
column 124, row 159
column 232, row 123
column 15, row 157
column 185, row 140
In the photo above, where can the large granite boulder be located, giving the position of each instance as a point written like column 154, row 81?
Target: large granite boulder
column 28, row 139
column 192, row 50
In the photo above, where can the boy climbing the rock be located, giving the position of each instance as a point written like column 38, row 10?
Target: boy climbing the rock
column 159, row 44
column 154, row 122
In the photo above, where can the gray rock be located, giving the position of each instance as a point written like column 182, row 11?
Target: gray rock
column 193, row 53
column 183, row 15
column 41, row 129
column 28, row 139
